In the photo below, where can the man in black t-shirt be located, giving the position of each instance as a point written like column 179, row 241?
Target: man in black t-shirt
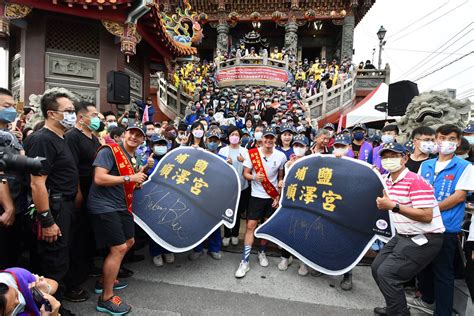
column 424, row 145
column 55, row 189
column 83, row 145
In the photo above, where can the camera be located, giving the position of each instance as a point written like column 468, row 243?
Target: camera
column 10, row 161
column 40, row 300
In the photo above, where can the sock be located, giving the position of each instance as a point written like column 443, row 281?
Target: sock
column 246, row 254
column 263, row 248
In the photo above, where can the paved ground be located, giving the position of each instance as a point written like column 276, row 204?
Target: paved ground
column 208, row 287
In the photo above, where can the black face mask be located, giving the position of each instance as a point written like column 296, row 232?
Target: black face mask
column 101, row 127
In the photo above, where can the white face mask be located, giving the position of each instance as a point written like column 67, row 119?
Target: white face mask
column 427, row 147
column 198, row 133
column 69, row 120
column 112, row 124
column 258, row 136
column 447, row 147
column 299, row 151
column 340, row 151
column 387, row 139
column 463, row 156
column 392, row 164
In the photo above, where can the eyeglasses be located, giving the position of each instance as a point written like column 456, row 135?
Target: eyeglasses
column 66, row 111
column 425, row 139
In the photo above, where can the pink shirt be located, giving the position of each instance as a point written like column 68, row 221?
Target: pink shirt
column 412, row 190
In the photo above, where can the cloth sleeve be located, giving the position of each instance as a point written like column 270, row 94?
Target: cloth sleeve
column 38, row 147
column 247, row 163
column 105, row 159
column 466, row 181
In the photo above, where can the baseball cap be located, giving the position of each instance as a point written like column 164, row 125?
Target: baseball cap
column 329, row 125
column 342, row 139
column 392, row 146
column 215, row 132
column 469, row 128
column 287, row 128
column 332, row 229
column 269, row 131
column 155, row 138
column 359, row 126
column 375, row 138
column 301, row 139
column 184, row 186
column 137, row 126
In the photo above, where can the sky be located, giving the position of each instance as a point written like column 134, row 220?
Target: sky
column 422, row 36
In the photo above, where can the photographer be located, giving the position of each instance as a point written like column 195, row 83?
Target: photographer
column 55, row 189
column 23, row 293
column 12, row 193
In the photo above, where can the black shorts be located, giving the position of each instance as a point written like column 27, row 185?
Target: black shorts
column 113, row 229
column 260, row 209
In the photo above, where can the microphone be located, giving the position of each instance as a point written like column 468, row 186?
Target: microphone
column 265, row 158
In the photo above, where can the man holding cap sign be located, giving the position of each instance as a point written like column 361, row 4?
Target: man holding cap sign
column 417, row 220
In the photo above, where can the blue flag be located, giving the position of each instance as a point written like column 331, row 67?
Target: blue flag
column 190, row 194
column 328, row 216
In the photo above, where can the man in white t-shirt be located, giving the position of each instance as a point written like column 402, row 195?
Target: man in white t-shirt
column 264, row 167
column 451, row 178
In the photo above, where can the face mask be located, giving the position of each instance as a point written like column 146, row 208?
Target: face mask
column 464, row 156
column 198, row 133
column 446, row 147
column 427, row 147
column 21, row 306
column 299, row 151
column 234, row 139
column 181, row 136
column 160, row 150
column 283, row 121
column 340, row 151
column 358, row 135
column 258, row 136
column 470, row 139
column 157, row 130
column 111, row 124
column 256, row 117
column 387, row 139
column 392, row 164
column 173, row 133
column 245, row 140
column 8, row 115
column 125, row 121
column 94, row 124
column 69, row 119
column 212, row 146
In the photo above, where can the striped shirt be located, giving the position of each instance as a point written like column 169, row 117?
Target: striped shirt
column 412, row 190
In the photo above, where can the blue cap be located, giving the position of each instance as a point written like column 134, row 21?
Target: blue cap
column 311, row 226
column 301, row 139
column 359, row 126
column 287, row 128
column 342, row 139
column 138, row 126
column 215, row 132
column 392, row 146
column 375, row 138
column 155, row 138
column 469, row 128
column 269, row 131
column 409, row 146
column 330, row 125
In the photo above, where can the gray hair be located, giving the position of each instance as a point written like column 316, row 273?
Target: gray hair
column 323, row 131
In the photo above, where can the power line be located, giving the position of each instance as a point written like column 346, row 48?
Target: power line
column 442, row 45
column 456, row 74
column 420, row 51
column 431, row 67
column 446, row 65
column 435, row 19
column 417, row 20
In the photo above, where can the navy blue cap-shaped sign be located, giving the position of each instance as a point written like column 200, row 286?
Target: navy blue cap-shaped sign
column 190, row 194
column 328, row 216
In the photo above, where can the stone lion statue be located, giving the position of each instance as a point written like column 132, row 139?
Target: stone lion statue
column 433, row 109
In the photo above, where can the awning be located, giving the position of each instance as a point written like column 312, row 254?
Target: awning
column 365, row 112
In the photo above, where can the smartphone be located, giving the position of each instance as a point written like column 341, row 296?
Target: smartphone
column 40, row 300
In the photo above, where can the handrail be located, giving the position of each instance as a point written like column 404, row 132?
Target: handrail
column 240, row 61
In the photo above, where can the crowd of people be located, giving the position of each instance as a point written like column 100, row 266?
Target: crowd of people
column 80, row 199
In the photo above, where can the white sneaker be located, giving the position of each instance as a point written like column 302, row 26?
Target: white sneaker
column 216, row 255
column 262, row 259
column 158, row 261
column 169, row 257
column 234, row 241
column 303, row 270
column 225, row 241
column 421, row 305
column 242, row 270
column 284, row 263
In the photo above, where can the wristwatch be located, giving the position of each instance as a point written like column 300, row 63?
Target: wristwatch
column 396, row 209
column 126, row 179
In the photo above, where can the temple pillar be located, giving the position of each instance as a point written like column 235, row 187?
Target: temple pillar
column 291, row 36
column 223, row 37
column 347, row 36
column 4, row 63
